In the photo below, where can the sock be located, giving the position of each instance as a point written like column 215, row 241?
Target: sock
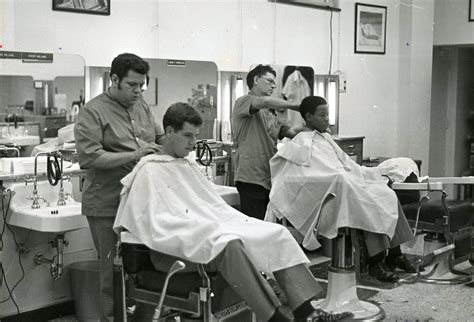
column 376, row 258
column 394, row 252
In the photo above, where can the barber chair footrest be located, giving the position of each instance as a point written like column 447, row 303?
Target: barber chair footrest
column 191, row 304
column 342, row 297
column 439, row 269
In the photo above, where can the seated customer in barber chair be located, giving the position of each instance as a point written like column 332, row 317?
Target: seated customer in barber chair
column 312, row 165
column 169, row 205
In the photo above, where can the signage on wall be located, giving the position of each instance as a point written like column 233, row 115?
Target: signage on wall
column 10, row 55
column 175, row 62
column 37, row 57
column 27, row 57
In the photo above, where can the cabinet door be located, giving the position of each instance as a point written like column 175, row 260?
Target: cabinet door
column 353, row 148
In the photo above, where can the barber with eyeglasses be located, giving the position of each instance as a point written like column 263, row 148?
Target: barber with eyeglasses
column 256, row 128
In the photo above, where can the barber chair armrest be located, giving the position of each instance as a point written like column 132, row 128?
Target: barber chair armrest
column 453, row 180
column 421, row 186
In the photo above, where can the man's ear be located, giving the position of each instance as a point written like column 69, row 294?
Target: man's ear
column 169, row 129
column 255, row 78
column 115, row 80
column 307, row 116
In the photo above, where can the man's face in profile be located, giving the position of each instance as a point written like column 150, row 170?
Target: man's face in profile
column 265, row 84
column 182, row 142
column 319, row 120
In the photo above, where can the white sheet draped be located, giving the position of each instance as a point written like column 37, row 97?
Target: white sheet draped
column 172, row 208
column 310, row 166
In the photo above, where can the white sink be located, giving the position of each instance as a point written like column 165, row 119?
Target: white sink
column 49, row 217
column 229, row 194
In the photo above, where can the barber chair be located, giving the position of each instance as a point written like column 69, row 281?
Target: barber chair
column 445, row 222
column 193, row 296
column 341, row 295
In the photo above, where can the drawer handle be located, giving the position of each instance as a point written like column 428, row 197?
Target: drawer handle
column 351, row 153
column 351, row 146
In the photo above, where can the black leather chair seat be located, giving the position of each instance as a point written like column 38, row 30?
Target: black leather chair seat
column 136, row 261
column 461, row 212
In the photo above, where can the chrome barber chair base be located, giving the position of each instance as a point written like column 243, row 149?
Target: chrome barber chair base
column 342, row 297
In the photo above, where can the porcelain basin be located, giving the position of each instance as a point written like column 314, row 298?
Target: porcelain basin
column 229, row 194
column 49, row 217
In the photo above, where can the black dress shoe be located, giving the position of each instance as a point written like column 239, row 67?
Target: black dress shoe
column 320, row 315
column 400, row 262
column 381, row 272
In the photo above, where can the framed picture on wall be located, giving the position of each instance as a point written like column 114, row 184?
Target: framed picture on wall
column 370, row 29
column 471, row 10
column 96, row 7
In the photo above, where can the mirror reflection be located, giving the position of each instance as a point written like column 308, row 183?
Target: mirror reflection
column 38, row 96
column 171, row 81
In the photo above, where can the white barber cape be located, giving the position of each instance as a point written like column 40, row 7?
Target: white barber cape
column 312, row 165
column 171, row 207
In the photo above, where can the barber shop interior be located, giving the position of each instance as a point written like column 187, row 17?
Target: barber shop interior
column 236, row 160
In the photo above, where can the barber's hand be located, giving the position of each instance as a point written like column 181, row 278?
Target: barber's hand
column 149, row 148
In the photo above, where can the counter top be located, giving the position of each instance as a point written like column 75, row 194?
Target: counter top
column 71, row 169
column 23, row 140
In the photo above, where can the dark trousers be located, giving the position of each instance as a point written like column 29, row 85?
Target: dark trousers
column 234, row 264
column 104, row 240
column 254, row 199
column 378, row 243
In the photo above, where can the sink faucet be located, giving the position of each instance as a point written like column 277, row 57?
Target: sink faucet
column 62, row 196
column 35, row 197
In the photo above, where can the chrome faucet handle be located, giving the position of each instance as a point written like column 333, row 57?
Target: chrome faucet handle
column 35, row 199
column 63, row 196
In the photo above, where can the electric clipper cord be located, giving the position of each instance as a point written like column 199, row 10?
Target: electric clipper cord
column 54, row 169
column 203, row 150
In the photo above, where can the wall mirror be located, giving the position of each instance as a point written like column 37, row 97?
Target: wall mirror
column 292, row 83
column 45, row 84
column 233, row 85
column 43, row 90
column 171, row 81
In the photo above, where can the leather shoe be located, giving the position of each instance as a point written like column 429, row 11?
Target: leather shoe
column 400, row 262
column 320, row 315
column 381, row 272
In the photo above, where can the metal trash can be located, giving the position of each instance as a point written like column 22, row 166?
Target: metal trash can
column 85, row 289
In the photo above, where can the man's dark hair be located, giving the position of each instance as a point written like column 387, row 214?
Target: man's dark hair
column 260, row 70
column 309, row 105
column 125, row 62
column 178, row 113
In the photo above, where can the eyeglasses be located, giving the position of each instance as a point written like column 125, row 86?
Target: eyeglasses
column 269, row 80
